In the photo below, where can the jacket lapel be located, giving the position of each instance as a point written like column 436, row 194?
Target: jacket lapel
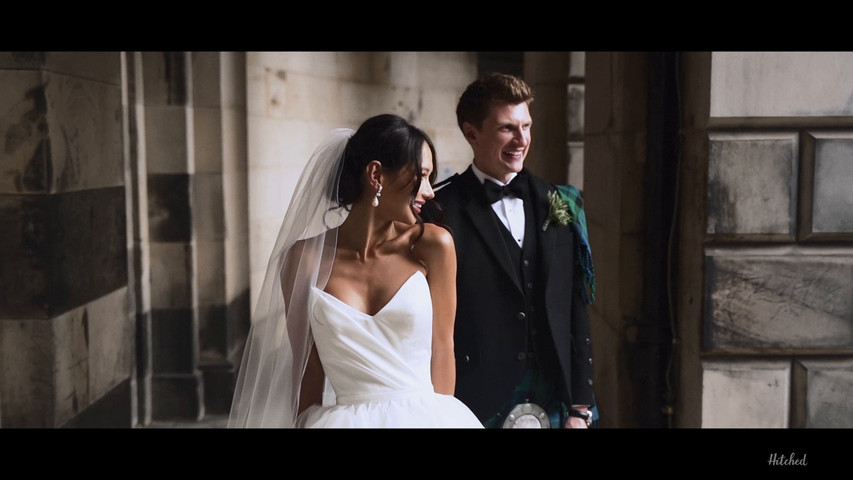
column 547, row 239
column 483, row 219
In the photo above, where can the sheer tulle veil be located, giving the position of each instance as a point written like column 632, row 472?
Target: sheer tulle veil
column 279, row 340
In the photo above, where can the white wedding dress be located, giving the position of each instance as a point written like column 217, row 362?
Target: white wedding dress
column 379, row 365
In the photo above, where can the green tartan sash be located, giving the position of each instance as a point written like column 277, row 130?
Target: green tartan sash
column 572, row 197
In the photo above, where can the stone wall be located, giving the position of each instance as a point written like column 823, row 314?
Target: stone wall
column 66, row 335
column 777, row 314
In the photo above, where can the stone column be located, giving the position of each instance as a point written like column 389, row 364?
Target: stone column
column 195, row 154
column 615, row 133
column 547, row 73
column 220, row 220
column 66, row 337
column 176, row 381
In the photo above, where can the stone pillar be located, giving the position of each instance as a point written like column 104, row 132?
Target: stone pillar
column 66, row 337
column 220, row 220
column 547, row 73
column 139, row 260
column 575, row 117
column 176, row 381
column 195, row 156
column 615, row 133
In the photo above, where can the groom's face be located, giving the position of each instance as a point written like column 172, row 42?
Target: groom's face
column 501, row 144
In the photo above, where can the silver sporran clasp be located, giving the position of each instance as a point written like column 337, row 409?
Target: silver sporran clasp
column 527, row 415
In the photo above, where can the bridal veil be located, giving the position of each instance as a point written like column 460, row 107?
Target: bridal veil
column 279, row 341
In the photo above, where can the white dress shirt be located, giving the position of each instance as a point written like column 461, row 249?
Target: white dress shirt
column 510, row 209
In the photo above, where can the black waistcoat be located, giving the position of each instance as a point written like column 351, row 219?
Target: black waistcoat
column 540, row 347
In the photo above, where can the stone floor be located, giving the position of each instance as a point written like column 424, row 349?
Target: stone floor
column 212, row 421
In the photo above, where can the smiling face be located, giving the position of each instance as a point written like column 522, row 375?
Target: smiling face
column 397, row 196
column 425, row 191
column 501, row 144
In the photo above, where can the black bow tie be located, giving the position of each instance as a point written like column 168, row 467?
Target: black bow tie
column 494, row 192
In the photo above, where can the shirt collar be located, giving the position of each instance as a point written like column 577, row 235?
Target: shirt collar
column 482, row 176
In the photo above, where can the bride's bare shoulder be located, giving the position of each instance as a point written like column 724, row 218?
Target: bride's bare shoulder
column 436, row 236
column 434, row 245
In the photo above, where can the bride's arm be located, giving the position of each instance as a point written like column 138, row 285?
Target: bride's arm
column 311, row 382
column 311, row 391
column 437, row 252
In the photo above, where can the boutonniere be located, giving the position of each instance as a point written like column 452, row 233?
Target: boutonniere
column 558, row 211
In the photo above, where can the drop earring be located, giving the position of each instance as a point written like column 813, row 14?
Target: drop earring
column 378, row 194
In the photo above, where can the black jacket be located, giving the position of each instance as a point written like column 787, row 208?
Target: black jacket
column 491, row 328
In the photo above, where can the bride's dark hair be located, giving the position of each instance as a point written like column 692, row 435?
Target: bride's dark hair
column 391, row 140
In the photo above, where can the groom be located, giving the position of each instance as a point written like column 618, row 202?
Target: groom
column 522, row 334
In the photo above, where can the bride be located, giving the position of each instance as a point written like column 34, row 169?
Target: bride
column 354, row 324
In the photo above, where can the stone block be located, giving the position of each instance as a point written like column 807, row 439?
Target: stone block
column 832, row 202
column 256, row 98
column 577, row 64
column 358, row 102
column 237, row 322
column 27, row 386
column 210, row 279
column 172, row 266
column 236, row 266
column 102, row 67
column 59, row 133
column 752, row 182
column 84, row 119
column 451, row 71
column 546, row 68
column 355, row 66
column 233, row 80
column 804, row 84
column 212, row 334
column 94, row 347
column 404, row 69
column 116, row 409
column 576, row 110
column 617, row 86
column 60, row 251
column 207, row 201
column 24, row 143
column 438, row 111
column 610, row 152
column 111, row 338
column 218, row 388
column 173, row 341
column 828, row 385
column 576, row 154
column 169, row 216
column 234, row 140
column 235, row 194
column 207, row 79
column 772, row 301
column 745, row 394
column 270, row 191
column 167, row 138
column 165, row 78
column 208, row 139
column 21, row 60
column 453, row 152
column 298, row 96
column 179, row 397
column 72, row 366
column 406, row 102
column 54, row 369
